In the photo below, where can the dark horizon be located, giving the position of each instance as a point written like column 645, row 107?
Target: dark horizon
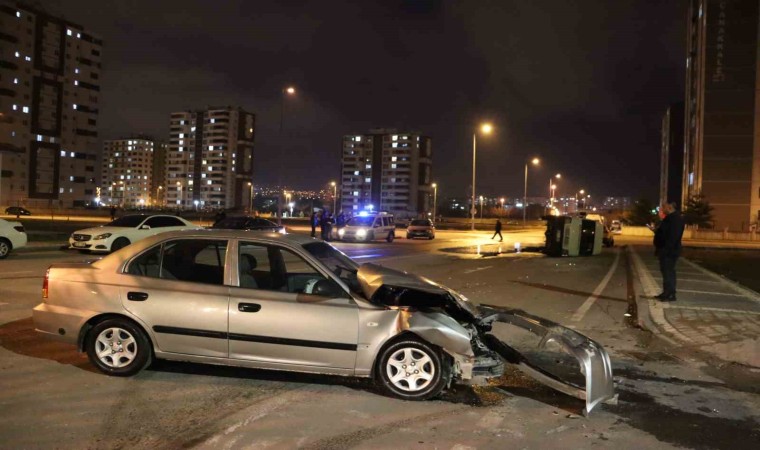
column 582, row 86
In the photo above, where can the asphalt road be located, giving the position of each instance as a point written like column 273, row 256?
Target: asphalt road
column 52, row 398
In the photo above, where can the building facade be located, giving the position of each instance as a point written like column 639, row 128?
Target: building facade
column 671, row 155
column 132, row 172
column 49, row 100
column 209, row 160
column 387, row 170
column 722, row 110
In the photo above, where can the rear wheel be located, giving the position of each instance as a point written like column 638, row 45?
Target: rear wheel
column 119, row 244
column 5, row 248
column 411, row 370
column 390, row 237
column 118, row 347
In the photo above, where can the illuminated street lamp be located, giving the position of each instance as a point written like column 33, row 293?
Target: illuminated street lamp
column 535, row 162
column 481, row 208
column 502, row 206
column 552, row 187
column 435, row 198
column 485, row 128
column 335, row 195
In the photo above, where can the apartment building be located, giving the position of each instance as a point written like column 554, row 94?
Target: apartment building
column 387, row 170
column 133, row 172
column 49, row 101
column 209, row 160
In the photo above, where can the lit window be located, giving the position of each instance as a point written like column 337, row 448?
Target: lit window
column 75, row 106
column 393, row 166
column 394, row 145
column 72, row 154
column 210, row 168
column 17, row 54
column 368, row 180
column 203, row 175
column 180, row 149
column 76, row 70
column 79, row 35
column 76, row 82
column 71, row 178
column 39, row 138
column 394, row 137
column 60, row 190
column 208, row 182
column 368, row 166
column 356, row 193
column 63, row 153
column 15, row 81
column 116, row 154
column 190, row 182
column 192, row 129
column 15, row 107
column 68, row 32
column 181, row 122
column 394, row 158
column 18, row 13
column 356, row 172
column 27, row 58
column 212, row 120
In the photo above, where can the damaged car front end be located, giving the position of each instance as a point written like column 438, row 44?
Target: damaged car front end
column 465, row 332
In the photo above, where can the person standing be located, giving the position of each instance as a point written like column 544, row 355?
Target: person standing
column 667, row 244
column 498, row 230
column 113, row 213
column 329, row 224
column 323, row 224
column 313, row 221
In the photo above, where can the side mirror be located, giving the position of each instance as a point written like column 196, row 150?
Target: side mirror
column 145, row 227
column 327, row 288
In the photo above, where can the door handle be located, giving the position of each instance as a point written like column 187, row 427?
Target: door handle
column 137, row 296
column 249, row 307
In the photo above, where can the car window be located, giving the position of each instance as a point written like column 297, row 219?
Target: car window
column 264, row 223
column 195, row 260
column 274, row 268
column 421, row 223
column 127, row 221
column 164, row 221
column 148, row 264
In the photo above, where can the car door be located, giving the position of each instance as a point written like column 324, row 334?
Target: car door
column 274, row 319
column 178, row 290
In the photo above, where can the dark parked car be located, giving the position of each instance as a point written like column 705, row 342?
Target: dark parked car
column 248, row 223
column 17, row 211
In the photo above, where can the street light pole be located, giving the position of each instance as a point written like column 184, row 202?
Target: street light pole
column 435, row 199
column 290, row 90
column 485, row 129
column 250, row 199
column 481, row 209
column 535, row 162
column 335, row 195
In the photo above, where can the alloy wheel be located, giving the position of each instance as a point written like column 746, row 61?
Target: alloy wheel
column 410, row 369
column 116, row 347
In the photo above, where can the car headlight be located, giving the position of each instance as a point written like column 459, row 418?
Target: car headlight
column 361, row 232
column 102, row 236
column 282, row 231
column 341, row 232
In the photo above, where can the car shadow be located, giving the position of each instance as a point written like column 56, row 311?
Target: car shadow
column 21, row 338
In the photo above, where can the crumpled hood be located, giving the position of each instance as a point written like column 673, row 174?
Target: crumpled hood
column 372, row 277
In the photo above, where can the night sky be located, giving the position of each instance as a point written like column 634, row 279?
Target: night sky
column 581, row 84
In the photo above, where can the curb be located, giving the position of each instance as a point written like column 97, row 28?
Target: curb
column 41, row 248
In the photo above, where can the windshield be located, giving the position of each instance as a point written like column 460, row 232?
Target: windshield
column 337, row 262
column 421, row 223
column 232, row 223
column 127, row 221
column 361, row 221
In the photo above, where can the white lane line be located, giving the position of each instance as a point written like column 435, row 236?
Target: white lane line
column 578, row 316
column 691, row 279
column 749, row 294
column 477, row 269
column 712, row 293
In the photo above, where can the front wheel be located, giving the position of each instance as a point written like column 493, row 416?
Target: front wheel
column 119, row 244
column 5, row 248
column 411, row 370
column 118, row 347
column 390, row 237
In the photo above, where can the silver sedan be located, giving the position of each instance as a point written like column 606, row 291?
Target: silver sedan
column 292, row 303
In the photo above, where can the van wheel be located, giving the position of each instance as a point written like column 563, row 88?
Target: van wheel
column 390, row 237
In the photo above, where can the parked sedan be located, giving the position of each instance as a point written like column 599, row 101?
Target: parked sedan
column 124, row 231
column 17, row 211
column 420, row 228
column 248, row 223
column 284, row 302
column 12, row 236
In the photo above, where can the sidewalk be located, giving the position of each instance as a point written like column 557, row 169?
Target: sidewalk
column 712, row 314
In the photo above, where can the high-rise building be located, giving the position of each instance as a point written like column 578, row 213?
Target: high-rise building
column 387, row 170
column 209, row 160
column 671, row 155
column 722, row 110
column 49, row 93
column 133, row 172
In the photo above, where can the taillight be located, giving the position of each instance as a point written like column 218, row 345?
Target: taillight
column 45, row 284
column 19, row 228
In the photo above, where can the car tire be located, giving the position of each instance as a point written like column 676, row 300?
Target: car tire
column 118, row 337
column 119, row 244
column 5, row 248
column 390, row 236
column 405, row 354
column 431, row 237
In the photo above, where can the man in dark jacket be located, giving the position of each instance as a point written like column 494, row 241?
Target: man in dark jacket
column 314, row 221
column 497, row 230
column 667, row 244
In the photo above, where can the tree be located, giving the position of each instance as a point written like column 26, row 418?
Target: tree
column 698, row 211
column 642, row 212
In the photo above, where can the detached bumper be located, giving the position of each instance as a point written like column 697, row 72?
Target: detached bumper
column 594, row 361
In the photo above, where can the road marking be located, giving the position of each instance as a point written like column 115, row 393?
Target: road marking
column 477, row 269
column 711, row 293
column 748, row 293
column 706, row 308
column 578, row 316
column 691, row 279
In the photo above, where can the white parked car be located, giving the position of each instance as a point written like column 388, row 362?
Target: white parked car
column 126, row 230
column 12, row 236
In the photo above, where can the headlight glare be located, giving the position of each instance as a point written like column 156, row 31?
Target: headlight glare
column 361, row 232
column 102, row 236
